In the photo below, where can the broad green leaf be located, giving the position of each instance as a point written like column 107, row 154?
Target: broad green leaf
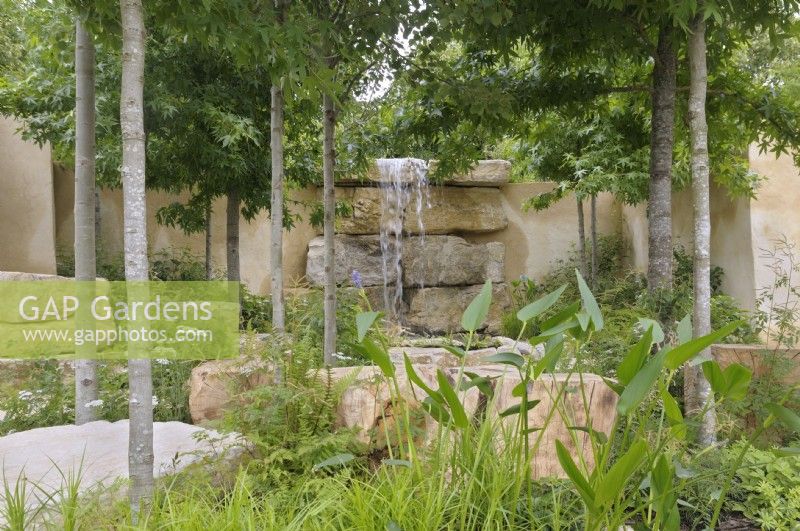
column 416, row 380
column 377, row 355
column 563, row 326
column 658, row 332
column 550, row 359
column 785, row 415
column 483, row 383
column 336, row 460
column 737, row 380
column 519, row 389
column 506, row 358
column 635, row 358
column 640, row 385
column 714, row 376
column 671, row 407
column 540, row 306
column 613, row 483
column 435, row 410
column 478, row 309
column 683, row 353
column 516, row 409
column 456, row 408
column 567, row 313
column 364, row 322
column 685, row 329
column 589, row 303
column 572, row 472
column 583, row 320
column 455, row 350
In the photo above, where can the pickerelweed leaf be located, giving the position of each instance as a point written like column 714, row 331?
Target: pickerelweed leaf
column 613, row 484
column 364, row 321
column 640, row 385
column 516, row 409
column 506, row 358
column 377, row 355
column 478, row 309
column 785, row 415
column 685, row 329
column 455, row 350
column 456, row 408
column 658, row 332
column 581, row 485
column 550, row 359
column 589, row 303
column 397, row 462
column 540, row 306
column 635, row 358
column 683, row 353
column 483, row 383
column 567, row 313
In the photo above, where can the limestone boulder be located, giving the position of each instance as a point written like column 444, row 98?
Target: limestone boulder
column 451, row 261
column 452, row 209
column 597, row 413
column 760, row 359
column 494, row 173
column 99, row 452
column 439, row 309
column 404, row 171
column 360, row 253
column 214, row 384
column 438, row 356
column 429, row 261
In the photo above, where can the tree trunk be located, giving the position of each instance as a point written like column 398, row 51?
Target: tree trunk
column 232, row 236
column 85, row 255
column 276, row 209
column 581, row 238
column 209, row 268
column 140, row 440
column 698, row 395
column 329, row 205
column 659, row 206
column 593, row 222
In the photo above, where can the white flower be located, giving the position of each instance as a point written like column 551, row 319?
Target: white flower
column 161, row 361
column 155, row 400
column 24, row 395
column 94, row 403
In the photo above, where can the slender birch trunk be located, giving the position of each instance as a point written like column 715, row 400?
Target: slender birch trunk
column 208, row 250
column 232, row 236
column 659, row 205
column 581, row 237
column 593, row 225
column 85, row 253
column 697, row 389
column 276, row 208
column 140, row 441
column 329, row 205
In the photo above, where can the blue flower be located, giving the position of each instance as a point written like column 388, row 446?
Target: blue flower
column 355, row 276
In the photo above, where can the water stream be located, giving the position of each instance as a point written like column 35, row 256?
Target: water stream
column 401, row 182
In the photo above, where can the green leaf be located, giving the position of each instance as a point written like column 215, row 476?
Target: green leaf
column 478, row 309
column 456, row 408
column 671, row 408
column 635, row 358
column 377, row 355
column 598, row 436
column 550, row 359
column 581, row 485
column 583, row 320
column 483, row 383
column 435, row 410
column 397, row 462
column 540, row 306
column 589, row 303
column 658, row 332
column 613, row 483
column 506, row 358
column 364, row 322
column 685, row 329
column 683, row 353
column 561, row 316
column 732, row 383
column 517, row 408
column 336, row 460
column 416, row 380
column 640, row 385
column 456, row 351
column 519, row 389
column 785, row 415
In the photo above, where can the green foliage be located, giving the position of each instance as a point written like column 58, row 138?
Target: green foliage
column 767, row 488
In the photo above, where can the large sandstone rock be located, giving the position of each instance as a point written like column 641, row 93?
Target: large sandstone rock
column 494, row 173
column 429, row 261
column 212, row 385
column 360, row 253
column 761, row 360
column 453, row 210
column 451, row 261
column 406, row 170
column 600, row 404
column 439, row 309
column 42, row 457
column 438, row 356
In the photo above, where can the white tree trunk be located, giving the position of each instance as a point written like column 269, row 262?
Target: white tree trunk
column 697, row 390
column 85, row 255
column 329, row 205
column 208, row 258
column 593, row 225
column 276, row 209
column 140, row 443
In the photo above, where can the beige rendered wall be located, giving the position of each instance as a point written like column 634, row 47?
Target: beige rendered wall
column 26, row 204
column 536, row 240
column 254, row 235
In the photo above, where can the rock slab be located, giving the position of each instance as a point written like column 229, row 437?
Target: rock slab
column 439, row 309
column 429, row 261
column 212, row 385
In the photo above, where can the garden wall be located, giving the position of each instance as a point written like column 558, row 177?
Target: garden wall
column 26, row 204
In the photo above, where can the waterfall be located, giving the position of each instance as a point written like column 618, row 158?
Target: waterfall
column 401, row 181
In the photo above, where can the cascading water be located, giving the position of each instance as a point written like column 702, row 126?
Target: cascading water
column 400, row 181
